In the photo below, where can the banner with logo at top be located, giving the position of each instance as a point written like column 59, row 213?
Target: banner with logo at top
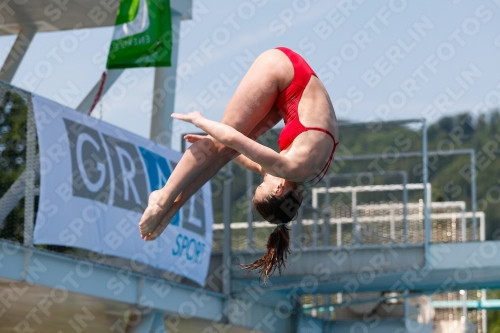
column 142, row 36
column 95, row 184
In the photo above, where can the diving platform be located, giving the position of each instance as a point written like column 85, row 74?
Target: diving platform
column 448, row 267
column 100, row 296
column 47, row 15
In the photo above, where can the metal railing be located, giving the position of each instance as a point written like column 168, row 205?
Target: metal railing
column 378, row 224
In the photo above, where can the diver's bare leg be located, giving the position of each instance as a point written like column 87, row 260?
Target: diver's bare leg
column 271, row 119
column 253, row 99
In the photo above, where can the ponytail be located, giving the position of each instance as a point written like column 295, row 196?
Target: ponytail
column 279, row 211
column 278, row 248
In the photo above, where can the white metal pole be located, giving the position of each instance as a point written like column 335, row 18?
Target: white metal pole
column 164, row 94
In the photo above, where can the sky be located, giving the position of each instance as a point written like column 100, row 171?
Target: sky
column 379, row 60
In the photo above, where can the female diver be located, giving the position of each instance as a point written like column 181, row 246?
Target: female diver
column 278, row 85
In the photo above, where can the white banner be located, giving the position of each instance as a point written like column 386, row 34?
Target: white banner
column 95, row 184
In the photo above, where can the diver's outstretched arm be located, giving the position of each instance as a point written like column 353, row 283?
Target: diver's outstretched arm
column 241, row 160
column 271, row 161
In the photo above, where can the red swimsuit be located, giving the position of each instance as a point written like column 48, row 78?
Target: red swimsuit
column 288, row 103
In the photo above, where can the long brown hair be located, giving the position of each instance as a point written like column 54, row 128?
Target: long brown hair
column 276, row 210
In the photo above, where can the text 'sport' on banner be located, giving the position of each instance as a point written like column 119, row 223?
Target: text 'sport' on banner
column 95, row 183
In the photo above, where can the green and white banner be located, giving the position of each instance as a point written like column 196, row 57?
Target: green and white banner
column 142, row 35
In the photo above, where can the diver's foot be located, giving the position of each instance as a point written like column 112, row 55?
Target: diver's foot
column 153, row 214
column 150, row 219
column 163, row 223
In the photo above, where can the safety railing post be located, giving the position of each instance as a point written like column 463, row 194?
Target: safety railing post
column 463, row 225
column 339, row 233
column 354, row 211
column 405, row 208
column 326, row 242
column 315, row 235
column 297, row 229
column 425, row 179
column 326, row 215
column 226, row 218
column 249, row 209
column 392, row 225
column 473, row 194
column 482, row 228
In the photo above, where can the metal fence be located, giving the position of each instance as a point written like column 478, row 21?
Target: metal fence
column 383, row 223
column 18, row 166
column 348, row 225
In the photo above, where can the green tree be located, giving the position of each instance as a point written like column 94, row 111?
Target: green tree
column 13, row 112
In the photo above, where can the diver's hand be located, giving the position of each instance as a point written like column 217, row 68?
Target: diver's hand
column 192, row 138
column 192, row 117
